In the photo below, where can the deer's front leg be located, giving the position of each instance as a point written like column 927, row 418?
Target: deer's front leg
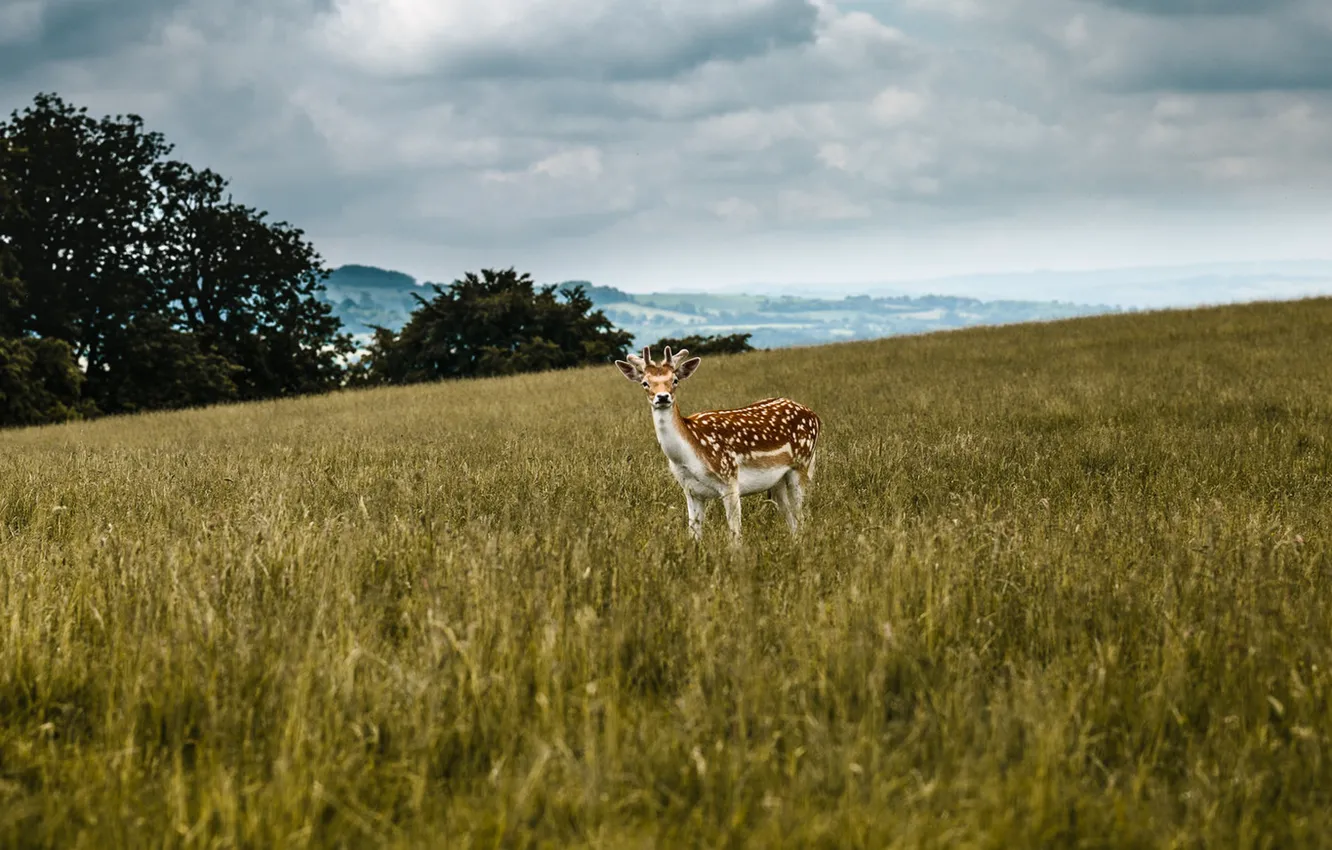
column 731, row 500
column 698, row 506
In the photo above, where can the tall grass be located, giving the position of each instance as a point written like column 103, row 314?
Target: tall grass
column 1062, row 585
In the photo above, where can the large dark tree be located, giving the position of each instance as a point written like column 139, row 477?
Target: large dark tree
column 168, row 293
column 247, row 288
column 495, row 323
column 84, row 208
column 39, row 382
column 154, row 366
column 11, row 293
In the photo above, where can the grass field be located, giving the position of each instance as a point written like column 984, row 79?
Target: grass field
column 1062, row 585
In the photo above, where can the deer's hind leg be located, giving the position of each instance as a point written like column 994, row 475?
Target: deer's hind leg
column 796, row 481
column 731, row 502
column 781, row 497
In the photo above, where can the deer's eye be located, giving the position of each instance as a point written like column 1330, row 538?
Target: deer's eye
column 675, row 380
column 645, row 383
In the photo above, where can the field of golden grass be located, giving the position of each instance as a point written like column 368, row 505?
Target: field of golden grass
column 1062, row 585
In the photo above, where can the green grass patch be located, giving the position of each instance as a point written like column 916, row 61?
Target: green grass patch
column 1062, row 585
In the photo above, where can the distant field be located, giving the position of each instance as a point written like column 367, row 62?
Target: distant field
column 1064, row 584
column 363, row 297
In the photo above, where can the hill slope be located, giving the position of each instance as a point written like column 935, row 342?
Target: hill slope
column 1063, row 584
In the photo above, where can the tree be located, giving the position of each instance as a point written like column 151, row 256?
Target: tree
column 497, row 323
column 246, row 288
column 39, row 382
column 153, row 366
column 11, row 291
column 150, row 272
column 84, row 198
column 718, row 344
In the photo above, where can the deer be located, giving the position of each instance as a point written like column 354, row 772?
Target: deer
column 725, row 454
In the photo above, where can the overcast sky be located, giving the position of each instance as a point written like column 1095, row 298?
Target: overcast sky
column 699, row 143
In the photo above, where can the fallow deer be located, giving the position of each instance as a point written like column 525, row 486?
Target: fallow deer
column 726, row 454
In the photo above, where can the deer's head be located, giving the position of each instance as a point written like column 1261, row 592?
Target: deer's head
column 659, row 380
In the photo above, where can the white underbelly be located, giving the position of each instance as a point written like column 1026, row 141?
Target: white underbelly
column 696, row 481
column 759, row 479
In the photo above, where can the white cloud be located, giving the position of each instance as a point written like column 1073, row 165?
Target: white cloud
column 576, row 164
column 897, row 106
column 835, row 155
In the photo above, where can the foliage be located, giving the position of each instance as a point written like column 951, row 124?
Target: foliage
column 116, row 241
column 84, row 198
column 495, row 323
column 1063, row 585
column 700, row 345
column 39, row 382
column 247, row 289
column 11, row 291
column 152, row 366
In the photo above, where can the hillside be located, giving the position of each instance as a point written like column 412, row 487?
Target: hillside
column 363, row 296
column 1064, row 584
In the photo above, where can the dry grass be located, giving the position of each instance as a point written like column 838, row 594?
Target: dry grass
column 1064, row 585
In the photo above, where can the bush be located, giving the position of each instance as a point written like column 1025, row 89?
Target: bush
column 701, row 345
column 39, row 383
column 497, row 323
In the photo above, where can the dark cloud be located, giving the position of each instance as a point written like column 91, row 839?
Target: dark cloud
column 1300, row 65
column 605, row 123
column 1202, row 7
column 83, row 30
column 643, row 41
column 1212, row 46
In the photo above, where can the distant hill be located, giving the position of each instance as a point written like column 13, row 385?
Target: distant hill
column 363, row 296
column 599, row 294
column 370, row 277
column 781, row 321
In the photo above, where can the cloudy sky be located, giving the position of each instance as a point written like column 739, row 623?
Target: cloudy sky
column 728, row 143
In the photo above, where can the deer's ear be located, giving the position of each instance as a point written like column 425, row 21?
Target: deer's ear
column 685, row 369
column 631, row 371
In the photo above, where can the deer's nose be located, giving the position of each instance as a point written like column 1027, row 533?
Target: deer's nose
column 663, row 398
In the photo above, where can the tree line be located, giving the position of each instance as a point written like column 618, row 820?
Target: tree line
column 132, row 281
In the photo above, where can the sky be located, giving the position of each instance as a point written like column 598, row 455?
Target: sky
column 728, row 144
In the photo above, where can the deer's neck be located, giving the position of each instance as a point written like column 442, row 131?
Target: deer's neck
column 674, row 436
